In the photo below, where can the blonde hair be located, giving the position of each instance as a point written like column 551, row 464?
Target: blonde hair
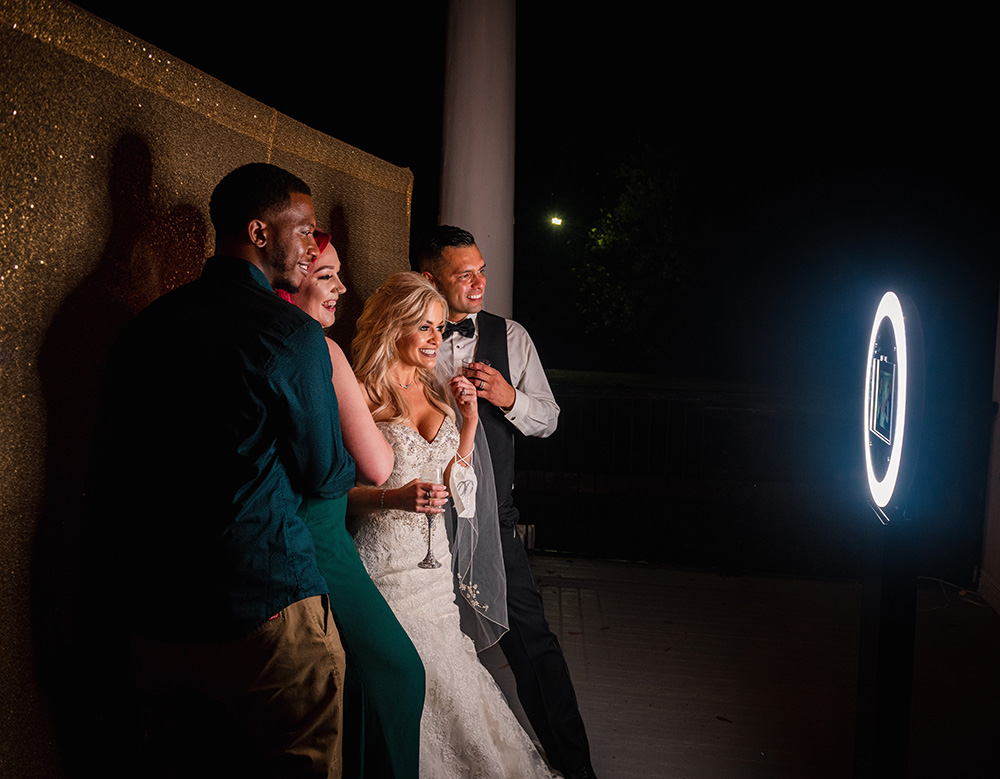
column 397, row 307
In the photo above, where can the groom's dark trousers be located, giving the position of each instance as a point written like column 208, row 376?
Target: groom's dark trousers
column 544, row 686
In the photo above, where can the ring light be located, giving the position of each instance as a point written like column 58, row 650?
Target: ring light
column 885, row 399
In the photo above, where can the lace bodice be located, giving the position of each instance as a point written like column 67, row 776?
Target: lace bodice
column 413, row 451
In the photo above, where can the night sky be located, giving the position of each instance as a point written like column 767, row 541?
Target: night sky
column 818, row 159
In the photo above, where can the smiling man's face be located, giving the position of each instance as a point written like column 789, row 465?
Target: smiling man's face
column 462, row 280
column 291, row 247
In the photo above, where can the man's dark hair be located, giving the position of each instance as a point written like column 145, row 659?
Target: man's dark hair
column 250, row 192
column 433, row 243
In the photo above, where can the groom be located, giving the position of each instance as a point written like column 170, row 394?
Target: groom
column 514, row 395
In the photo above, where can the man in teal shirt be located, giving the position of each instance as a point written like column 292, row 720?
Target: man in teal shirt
column 218, row 415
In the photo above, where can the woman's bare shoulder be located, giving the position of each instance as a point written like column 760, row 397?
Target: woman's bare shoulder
column 336, row 353
column 372, row 404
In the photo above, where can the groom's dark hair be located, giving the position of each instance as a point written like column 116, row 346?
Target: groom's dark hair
column 434, row 242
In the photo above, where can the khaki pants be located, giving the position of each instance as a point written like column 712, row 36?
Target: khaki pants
column 266, row 705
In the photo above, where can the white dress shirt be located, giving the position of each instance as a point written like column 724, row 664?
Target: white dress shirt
column 535, row 411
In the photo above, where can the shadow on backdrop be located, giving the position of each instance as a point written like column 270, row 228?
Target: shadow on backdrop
column 79, row 654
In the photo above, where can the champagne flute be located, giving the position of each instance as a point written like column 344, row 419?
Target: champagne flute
column 434, row 474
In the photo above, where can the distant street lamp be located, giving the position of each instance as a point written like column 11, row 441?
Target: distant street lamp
column 556, row 221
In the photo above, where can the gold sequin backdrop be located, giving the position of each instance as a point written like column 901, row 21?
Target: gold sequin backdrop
column 110, row 149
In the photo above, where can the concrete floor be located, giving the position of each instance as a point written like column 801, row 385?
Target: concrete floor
column 691, row 674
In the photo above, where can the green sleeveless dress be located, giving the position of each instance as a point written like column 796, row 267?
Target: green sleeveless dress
column 384, row 681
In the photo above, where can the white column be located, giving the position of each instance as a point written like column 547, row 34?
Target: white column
column 477, row 170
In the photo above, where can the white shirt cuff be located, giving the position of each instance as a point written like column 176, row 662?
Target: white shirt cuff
column 518, row 409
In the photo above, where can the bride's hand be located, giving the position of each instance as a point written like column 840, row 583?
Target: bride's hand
column 420, row 496
column 465, row 396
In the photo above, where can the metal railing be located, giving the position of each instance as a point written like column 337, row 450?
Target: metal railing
column 693, row 476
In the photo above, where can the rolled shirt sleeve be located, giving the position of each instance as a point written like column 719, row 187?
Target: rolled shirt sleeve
column 535, row 411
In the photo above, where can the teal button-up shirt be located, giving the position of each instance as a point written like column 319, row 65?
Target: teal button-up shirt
column 218, row 415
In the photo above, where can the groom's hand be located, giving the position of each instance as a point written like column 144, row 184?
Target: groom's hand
column 490, row 385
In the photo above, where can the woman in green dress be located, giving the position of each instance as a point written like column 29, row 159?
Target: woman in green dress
column 384, row 684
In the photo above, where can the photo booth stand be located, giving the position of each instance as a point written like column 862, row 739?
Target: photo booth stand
column 893, row 409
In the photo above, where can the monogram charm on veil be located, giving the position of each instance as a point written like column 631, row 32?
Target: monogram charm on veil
column 462, row 484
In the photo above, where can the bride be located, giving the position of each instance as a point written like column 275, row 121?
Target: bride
column 467, row 729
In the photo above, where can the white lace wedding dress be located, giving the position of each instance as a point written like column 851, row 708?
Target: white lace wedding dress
column 467, row 728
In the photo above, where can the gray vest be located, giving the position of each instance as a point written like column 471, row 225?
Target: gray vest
column 492, row 346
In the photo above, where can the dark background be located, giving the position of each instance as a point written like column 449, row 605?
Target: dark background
column 757, row 180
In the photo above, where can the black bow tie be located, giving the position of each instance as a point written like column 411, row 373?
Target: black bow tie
column 466, row 327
